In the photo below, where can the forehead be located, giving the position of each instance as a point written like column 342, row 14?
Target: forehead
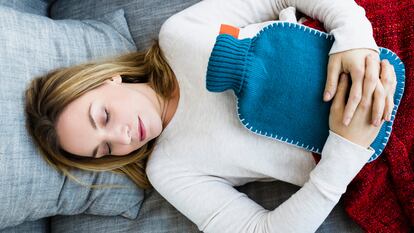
column 82, row 103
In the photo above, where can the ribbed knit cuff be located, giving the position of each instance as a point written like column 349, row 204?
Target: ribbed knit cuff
column 226, row 66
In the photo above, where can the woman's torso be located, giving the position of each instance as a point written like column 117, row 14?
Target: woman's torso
column 206, row 135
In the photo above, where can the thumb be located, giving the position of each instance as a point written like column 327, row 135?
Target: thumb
column 334, row 70
column 341, row 94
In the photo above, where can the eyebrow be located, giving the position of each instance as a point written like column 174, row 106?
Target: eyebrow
column 95, row 151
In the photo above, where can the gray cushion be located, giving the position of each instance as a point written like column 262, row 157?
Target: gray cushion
column 144, row 17
column 32, row 45
column 37, row 7
column 38, row 226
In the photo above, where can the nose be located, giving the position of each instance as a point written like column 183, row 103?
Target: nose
column 120, row 135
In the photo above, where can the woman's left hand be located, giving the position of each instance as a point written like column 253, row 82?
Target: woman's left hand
column 364, row 67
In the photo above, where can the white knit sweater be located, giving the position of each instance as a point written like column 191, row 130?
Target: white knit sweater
column 205, row 150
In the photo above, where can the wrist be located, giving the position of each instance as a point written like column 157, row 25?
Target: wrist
column 361, row 146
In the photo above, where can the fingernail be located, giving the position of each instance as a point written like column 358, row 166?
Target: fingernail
column 347, row 120
column 327, row 95
column 389, row 117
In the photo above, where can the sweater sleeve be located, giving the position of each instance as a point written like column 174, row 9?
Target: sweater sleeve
column 201, row 22
column 215, row 206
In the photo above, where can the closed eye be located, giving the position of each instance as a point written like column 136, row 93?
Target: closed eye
column 109, row 149
column 108, row 116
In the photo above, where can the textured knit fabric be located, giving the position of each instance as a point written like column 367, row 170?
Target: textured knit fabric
column 279, row 76
column 381, row 197
column 204, row 151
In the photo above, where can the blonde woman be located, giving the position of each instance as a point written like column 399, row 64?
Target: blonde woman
column 149, row 114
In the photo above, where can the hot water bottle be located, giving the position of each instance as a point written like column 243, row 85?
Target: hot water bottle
column 278, row 77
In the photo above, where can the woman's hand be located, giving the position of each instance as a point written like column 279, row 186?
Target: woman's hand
column 359, row 130
column 364, row 67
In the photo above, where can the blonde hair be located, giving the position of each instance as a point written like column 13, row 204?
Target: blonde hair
column 47, row 96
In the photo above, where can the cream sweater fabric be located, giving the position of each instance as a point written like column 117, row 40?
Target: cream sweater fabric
column 205, row 150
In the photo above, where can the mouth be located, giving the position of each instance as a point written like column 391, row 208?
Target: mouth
column 141, row 130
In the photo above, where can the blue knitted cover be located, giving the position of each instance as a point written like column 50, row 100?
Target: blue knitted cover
column 279, row 77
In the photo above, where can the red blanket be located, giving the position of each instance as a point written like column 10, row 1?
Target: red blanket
column 381, row 197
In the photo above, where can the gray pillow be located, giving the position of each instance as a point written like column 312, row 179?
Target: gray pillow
column 32, row 45
column 144, row 17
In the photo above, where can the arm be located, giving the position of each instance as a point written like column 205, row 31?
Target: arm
column 201, row 22
column 215, row 206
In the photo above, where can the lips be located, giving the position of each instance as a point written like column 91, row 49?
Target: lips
column 141, row 130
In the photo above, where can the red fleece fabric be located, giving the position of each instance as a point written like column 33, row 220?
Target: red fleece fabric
column 381, row 196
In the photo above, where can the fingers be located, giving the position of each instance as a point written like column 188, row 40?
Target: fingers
column 340, row 97
column 370, row 83
column 389, row 82
column 378, row 105
column 334, row 70
column 368, row 86
column 357, row 75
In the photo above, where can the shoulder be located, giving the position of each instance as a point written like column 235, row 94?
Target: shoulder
column 173, row 42
column 173, row 31
column 157, row 161
column 181, row 34
column 161, row 168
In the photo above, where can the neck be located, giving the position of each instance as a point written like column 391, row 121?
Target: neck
column 170, row 106
column 164, row 103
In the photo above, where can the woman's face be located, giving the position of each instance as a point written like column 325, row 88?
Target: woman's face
column 116, row 118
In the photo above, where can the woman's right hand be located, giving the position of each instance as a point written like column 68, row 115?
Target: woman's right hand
column 360, row 130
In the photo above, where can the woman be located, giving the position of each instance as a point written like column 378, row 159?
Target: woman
column 143, row 113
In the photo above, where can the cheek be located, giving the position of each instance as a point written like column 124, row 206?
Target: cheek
column 125, row 150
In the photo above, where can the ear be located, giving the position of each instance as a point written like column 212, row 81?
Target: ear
column 116, row 79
